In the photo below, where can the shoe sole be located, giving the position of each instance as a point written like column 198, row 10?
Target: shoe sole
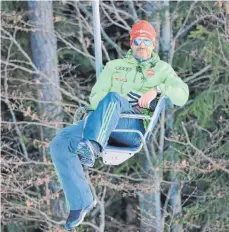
column 85, row 211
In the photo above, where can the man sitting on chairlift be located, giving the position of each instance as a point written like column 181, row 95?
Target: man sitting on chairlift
column 130, row 85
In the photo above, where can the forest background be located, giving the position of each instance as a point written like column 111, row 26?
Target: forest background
column 47, row 72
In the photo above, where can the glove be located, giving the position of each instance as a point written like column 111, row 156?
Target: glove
column 153, row 104
column 133, row 100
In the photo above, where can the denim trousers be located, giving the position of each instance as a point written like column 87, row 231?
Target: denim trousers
column 98, row 127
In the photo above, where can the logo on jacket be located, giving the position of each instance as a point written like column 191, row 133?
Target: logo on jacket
column 120, row 79
column 150, row 72
column 127, row 69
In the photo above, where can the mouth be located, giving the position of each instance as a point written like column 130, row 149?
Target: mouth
column 141, row 50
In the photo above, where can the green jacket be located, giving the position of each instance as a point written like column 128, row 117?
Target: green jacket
column 127, row 74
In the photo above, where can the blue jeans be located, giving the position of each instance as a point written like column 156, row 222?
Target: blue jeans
column 98, row 127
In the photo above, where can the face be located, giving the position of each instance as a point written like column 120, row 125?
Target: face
column 142, row 51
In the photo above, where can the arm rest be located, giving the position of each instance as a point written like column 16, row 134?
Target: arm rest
column 162, row 102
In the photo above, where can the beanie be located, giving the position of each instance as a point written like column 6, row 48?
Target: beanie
column 144, row 29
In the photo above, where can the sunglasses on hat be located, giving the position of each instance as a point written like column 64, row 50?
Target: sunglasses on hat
column 138, row 41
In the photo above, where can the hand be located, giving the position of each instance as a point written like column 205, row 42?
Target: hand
column 145, row 100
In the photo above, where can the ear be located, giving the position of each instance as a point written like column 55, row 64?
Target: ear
column 154, row 42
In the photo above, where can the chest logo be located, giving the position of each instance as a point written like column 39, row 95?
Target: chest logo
column 150, row 72
column 123, row 68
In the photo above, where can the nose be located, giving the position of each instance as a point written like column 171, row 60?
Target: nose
column 142, row 45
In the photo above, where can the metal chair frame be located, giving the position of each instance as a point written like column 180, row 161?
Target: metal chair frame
column 113, row 155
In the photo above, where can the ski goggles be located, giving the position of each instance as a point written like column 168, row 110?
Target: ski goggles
column 147, row 42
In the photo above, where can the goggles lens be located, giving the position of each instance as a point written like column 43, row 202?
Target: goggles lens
column 147, row 42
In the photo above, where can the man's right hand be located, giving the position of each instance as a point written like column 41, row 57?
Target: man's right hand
column 146, row 99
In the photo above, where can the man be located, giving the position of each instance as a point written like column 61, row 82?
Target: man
column 128, row 85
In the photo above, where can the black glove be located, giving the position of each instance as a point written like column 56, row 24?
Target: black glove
column 153, row 104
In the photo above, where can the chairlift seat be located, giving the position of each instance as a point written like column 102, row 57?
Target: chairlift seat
column 114, row 155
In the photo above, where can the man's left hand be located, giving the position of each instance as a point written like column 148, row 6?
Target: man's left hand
column 146, row 98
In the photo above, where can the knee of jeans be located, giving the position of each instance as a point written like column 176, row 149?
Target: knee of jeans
column 57, row 146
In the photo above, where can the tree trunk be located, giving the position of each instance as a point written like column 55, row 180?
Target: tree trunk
column 43, row 48
column 173, row 194
column 153, row 17
column 150, row 203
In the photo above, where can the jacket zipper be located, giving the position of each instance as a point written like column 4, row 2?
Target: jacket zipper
column 122, row 88
column 123, row 83
column 135, row 75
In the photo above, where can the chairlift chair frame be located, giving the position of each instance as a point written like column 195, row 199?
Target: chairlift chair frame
column 113, row 155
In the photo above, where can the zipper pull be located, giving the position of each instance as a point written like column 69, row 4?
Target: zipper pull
column 139, row 69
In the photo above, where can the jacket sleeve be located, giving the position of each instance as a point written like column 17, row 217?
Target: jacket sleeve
column 101, row 87
column 174, row 88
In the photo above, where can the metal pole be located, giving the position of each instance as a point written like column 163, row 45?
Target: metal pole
column 97, row 37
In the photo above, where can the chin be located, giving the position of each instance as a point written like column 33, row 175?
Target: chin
column 142, row 56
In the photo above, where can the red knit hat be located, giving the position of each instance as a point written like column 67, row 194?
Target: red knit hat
column 143, row 28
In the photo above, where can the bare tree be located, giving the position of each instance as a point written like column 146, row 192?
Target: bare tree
column 44, row 48
column 173, row 192
column 44, row 57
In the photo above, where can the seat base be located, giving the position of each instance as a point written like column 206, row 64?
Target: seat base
column 116, row 155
